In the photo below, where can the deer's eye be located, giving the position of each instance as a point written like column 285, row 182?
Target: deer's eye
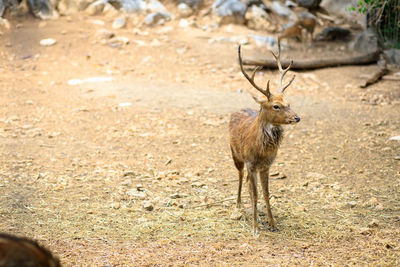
column 276, row 107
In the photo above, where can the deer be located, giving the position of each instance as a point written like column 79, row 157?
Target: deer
column 21, row 251
column 256, row 136
column 305, row 21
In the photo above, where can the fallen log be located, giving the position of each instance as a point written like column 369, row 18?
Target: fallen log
column 317, row 63
column 374, row 77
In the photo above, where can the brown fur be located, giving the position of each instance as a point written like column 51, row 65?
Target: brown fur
column 255, row 138
column 18, row 251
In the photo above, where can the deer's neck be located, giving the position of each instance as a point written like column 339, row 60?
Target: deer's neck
column 268, row 134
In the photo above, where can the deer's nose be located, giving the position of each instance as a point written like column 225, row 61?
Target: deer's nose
column 297, row 119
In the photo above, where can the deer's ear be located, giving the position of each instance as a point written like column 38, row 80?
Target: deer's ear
column 260, row 99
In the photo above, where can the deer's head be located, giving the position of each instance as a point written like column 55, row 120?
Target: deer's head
column 274, row 107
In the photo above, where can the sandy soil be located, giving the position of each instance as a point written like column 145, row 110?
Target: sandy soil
column 81, row 163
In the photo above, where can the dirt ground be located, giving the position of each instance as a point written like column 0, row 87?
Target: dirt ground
column 83, row 164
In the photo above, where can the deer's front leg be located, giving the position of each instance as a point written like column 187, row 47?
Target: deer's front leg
column 252, row 182
column 264, row 177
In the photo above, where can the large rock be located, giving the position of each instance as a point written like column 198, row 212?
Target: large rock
column 392, row 56
column 194, row 4
column 42, row 9
column 340, row 8
column 156, row 18
column 365, row 42
column 308, row 3
column 258, row 19
column 68, row 7
column 282, row 10
column 333, row 34
column 230, row 11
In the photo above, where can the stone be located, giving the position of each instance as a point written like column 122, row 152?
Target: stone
column 118, row 41
column 351, row 204
column 110, row 11
column 236, row 215
column 184, row 10
column 282, row 11
column 104, row 34
column 230, row 11
column 42, row 9
column 395, row 138
column 333, row 34
column 95, row 8
column 309, row 3
column 48, row 42
column 68, row 7
column 147, row 205
column 193, row 4
column 373, row 223
column 119, row 22
column 136, row 194
column 365, row 231
column 155, row 18
column 155, row 6
column 392, row 56
column 365, row 42
column 258, row 19
column 132, row 6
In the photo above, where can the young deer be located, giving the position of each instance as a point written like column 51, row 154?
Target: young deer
column 255, row 136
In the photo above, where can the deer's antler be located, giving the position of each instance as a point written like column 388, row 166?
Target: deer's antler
column 265, row 92
column 282, row 72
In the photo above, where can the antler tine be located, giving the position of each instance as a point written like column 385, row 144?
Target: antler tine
column 251, row 80
column 282, row 72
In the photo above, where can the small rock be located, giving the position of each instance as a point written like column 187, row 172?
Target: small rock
column 373, row 223
column 119, row 22
column 139, row 187
column 314, row 175
column 156, row 18
column 230, row 11
column 351, row 204
column 395, row 138
column 373, row 201
column 236, row 215
column 48, row 42
column 110, row 11
column 105, row 34
column 136, row 194
column 118, row 41
column 175, row 196
column 95, row 8
column 365, row 231
column 147, row 205
column 184, row 10
column 198, row 184
column 333, row 34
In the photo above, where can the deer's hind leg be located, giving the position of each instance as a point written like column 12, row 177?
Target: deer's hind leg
column 239, row 166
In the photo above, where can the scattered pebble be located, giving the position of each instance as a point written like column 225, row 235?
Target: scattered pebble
column 147, row 205
column 395, row 138
column 119, row 22
column 48, row 42
column 136, row 194
column 236, row 215
column 373, row 223
column 365, row 231
column 351, row 204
